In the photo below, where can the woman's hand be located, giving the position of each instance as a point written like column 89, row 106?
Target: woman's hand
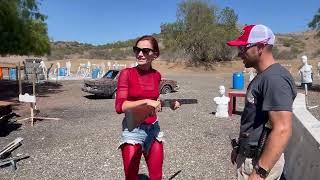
column 155, row 104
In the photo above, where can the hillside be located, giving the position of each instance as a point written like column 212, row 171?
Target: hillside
column 288, row 46
column 292, row 44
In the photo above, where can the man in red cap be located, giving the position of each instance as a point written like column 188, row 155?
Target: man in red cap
column 267, row 117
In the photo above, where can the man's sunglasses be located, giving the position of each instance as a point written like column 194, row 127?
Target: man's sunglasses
column 145, row 51
column 243, row 49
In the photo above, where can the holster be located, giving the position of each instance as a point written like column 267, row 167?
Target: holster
column 262, row 141
column 253, row 150
column 248, row 151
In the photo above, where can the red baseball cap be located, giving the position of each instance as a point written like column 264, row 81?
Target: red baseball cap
column 254, row 34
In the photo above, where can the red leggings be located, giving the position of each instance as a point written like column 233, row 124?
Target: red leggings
column 131, row 155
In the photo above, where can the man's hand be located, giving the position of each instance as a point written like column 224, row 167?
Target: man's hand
column 254, row 176
column 234, row 155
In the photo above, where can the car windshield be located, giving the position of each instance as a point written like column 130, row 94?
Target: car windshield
column 111, row 74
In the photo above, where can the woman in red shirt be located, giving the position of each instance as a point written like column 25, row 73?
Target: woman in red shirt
column 138, row 86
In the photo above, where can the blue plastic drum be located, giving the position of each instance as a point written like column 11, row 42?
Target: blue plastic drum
column 13, row 74
column 95, row 73
column 238, row 80
column 62, row 71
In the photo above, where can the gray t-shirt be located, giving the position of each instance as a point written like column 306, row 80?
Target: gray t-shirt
column 271, row 90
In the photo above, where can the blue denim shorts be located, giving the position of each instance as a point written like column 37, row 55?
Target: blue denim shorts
column 144, row 134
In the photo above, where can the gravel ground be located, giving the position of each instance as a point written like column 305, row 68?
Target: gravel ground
column 83, row 145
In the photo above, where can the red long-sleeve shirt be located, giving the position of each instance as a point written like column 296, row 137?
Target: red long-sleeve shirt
column 135, row 84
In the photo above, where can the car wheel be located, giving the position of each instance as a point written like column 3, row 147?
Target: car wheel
column 114, row 95
column 166, row 89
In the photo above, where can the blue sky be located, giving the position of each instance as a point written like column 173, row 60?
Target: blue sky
column 105, row 21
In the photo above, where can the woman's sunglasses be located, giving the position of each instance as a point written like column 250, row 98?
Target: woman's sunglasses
column 145, row 51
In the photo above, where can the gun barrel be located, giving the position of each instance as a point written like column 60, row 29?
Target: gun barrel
column 169, row 102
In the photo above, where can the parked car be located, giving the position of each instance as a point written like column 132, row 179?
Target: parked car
column 107, row 85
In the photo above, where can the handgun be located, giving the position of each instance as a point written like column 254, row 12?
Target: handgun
column 135, row 116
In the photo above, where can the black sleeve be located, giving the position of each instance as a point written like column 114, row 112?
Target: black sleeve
column 278, row 94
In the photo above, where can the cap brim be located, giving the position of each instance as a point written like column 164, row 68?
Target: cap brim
column 237, row 43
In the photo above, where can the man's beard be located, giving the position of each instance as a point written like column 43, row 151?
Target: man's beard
column 247, row 63
column 250, row 63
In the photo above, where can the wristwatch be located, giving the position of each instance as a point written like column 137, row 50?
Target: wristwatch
column 263, row 173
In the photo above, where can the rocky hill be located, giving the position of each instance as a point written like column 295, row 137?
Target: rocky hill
column 291, row 45
column 288, row 46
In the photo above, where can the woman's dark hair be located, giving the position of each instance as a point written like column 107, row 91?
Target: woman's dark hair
column 153, row 42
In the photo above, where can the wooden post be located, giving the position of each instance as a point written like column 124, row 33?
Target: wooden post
column 33, row 82
column 306, row 91
column 57, row 75
column 32, row 105
column 17, row 74
column 31, row 112
column 9, row 73
column 19, row 78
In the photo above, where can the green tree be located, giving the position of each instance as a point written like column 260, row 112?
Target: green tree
column 201, row 31
column 170, row 31
column 23, row 30
column 228, row 17
column 315, row 23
